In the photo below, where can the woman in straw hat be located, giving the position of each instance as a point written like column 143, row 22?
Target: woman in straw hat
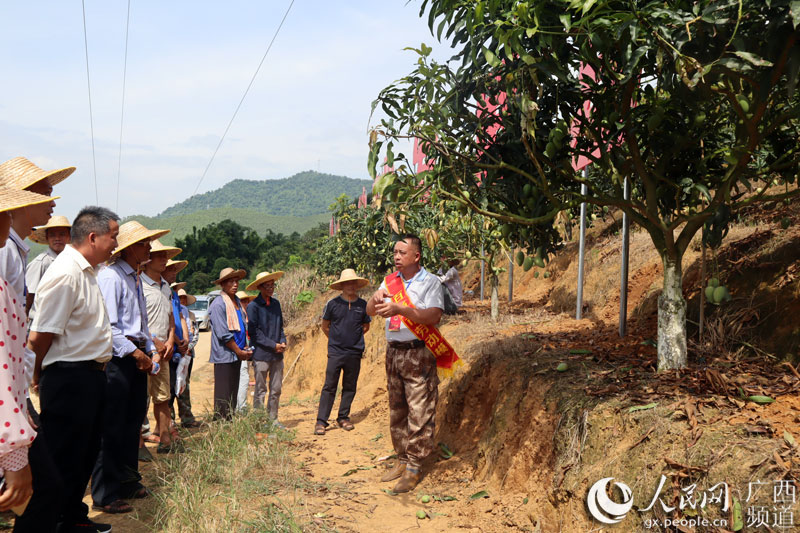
column 24, row 463
column 228, row 342
column 244, row 371
column 115, row 477
column 55, row 234
column 344, row 322
column 269, row 342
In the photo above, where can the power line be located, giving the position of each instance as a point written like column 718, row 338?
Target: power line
column 122, row 111
column 253, row 79
column 89, row 87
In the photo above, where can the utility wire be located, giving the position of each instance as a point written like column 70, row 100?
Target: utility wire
column 122, row 111
column 253, row 79
column 89, row 87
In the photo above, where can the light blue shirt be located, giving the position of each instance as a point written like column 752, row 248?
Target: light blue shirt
column 126, row 307
column 425, row 291
column 220, row 334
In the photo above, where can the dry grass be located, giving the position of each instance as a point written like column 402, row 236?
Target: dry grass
column 296, row 280
column 230, row 481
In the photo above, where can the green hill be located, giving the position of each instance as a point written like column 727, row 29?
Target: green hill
column 305, row 193
column 182, row 224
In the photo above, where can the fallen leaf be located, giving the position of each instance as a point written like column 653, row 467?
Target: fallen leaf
column 642, row 407
column 377, row 437
column 479, row 495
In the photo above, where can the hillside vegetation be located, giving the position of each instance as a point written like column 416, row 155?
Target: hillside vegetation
column 181, row 225
column 305, row 193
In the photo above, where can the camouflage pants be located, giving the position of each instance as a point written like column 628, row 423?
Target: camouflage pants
column 413, row 387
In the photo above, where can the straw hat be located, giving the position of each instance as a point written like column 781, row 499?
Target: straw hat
column 132, row 232
column 178, row 285
column 19, row 173
column 244, row 297
column 348, row 274
column 263, row 277
column 180, row 264
column 229, row 273
column 189, row 298
column 40, row 234
column 172, row 251
column 11, row 199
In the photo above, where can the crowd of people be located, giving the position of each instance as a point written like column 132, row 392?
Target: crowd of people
column 98, row 327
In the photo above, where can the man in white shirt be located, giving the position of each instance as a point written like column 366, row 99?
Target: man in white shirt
column 71, row 336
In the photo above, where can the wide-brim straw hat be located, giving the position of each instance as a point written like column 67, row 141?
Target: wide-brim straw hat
column 132, row 232
column 157, row 246
column 263, row 277
column 19, row 173
column 348, row 274
column 244, row 297
column 178, row 285
column 40, row 234
column 189, row 298
column 11, row 199
column 180, row 265
column 230, row 273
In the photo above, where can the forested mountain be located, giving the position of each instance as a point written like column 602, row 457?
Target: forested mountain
column 305, row 193
column 181, row 225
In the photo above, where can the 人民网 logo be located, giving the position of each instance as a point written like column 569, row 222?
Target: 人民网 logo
column 603, row 508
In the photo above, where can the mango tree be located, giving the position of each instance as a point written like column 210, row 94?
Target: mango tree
column 693, row 102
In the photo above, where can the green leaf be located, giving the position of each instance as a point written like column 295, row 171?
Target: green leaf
column 703, row 189
column 580, row 351
column 642, row 407
column 738, row 519
column 761, row 399
column 565, row 20
column 794, row 11
column 754, row 59
column 789, row 439
column 377, row 437
column 479, row 495
column 444, row 451
column 390, row 492
column 491, row 58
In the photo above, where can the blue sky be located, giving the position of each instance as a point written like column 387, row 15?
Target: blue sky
column 188, row 65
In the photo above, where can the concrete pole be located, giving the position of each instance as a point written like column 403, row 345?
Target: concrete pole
column 483, row 271
column 623, row 285
column 511, row 276
column 581, row 252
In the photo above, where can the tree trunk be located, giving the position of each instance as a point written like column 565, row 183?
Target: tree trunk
column 672, row 318
column 495, row 303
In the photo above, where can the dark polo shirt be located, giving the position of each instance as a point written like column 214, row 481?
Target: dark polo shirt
column 346, row 336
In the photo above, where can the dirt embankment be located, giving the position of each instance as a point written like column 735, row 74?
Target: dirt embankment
column 536, row 439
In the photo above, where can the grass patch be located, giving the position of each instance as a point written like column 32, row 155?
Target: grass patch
column 230, row 480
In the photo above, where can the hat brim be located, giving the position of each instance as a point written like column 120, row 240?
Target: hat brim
column 11, row 199
column 170, row 250
column 179, row 265
column 148, row 235
column 190, row 299
column 238, row 274
column 336, row 285
column 178, row 285
column 258, row 281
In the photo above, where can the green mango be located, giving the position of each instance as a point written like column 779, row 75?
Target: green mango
column 713, row 282
column 536, row 274
column 520, row 258
column 546, row 275
column 786, row 222
column 538, row 261
column 550, row 150
column 710, row 294
column 745, row 105
column 505, row 230
column 562, row 367
column 531, row 203
column 527, row 264
column 526, row 190
column 721, row 294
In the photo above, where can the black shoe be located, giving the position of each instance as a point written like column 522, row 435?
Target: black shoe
column 90, row 526
column 173, row 447
column 144, row 455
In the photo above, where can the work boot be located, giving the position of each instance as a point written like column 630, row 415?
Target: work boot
column 394, row 473
column 407, row 482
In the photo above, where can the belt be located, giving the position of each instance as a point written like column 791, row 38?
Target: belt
column 408, row 345
column 90, row 365
column 140, row 344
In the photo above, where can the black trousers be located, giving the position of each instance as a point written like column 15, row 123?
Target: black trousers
column 349, row 366
column 116, row 472
column 226, row 387
column 72, row 400
column 39, row 515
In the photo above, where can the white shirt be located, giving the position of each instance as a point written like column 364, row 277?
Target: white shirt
column 158, row 298
column 35, row 270
column 425, row 291
column 71, row 307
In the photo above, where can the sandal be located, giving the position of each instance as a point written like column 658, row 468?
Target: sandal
column 319, row 429
column 115, row 507
column 140, row 492
column 346, row 425
column 152, row 438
